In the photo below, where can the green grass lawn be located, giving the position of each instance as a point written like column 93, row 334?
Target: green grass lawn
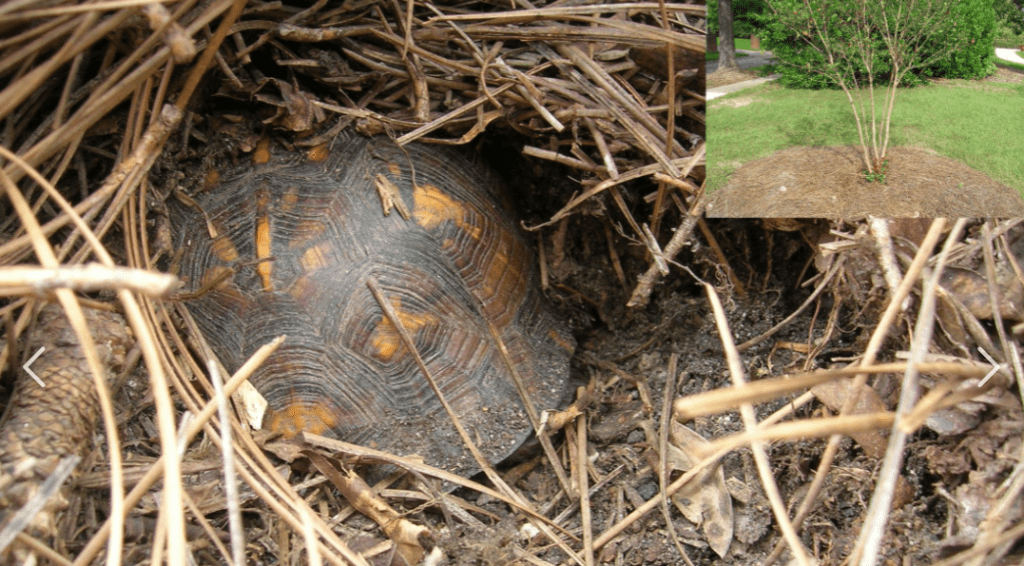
column 1010, row 64
column 739, row 42
column 742, row 42
column 978, row 124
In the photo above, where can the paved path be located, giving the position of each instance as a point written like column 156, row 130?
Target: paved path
column 716, row 92
column 753, row 59
column 758, row 58
column 1008, row 54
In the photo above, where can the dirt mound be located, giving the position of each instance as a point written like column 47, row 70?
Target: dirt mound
column 828, row 182
column 723, row 77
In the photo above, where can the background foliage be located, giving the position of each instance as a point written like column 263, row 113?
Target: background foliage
column 1010, row 14
column 745, row 15
column 973, row 21
column 976, row 22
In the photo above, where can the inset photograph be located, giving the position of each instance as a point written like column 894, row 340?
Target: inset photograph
column 910, row 109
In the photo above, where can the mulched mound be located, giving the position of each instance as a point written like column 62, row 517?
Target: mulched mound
column 723, row 77
column 828, row 182
column 1007, row 75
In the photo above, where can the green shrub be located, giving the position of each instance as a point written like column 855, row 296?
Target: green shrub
column 799, row 60
column 975, row 24
column 1010, row 17
column 1007, row 35
column 972, row 21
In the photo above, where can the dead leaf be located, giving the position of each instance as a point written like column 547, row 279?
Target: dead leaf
column 974, row 499
column 370, row 126
column 751, row 510
column 617, row 423
column 951, row 323
column 835, row 393
column 655, row 61
column 705, row 501
column 403, row 533
column 251, row 404
column 971, row 289
column 911, row 229
column 947, row 462
column 295, row 109
column 955, row 420
column 286, row 450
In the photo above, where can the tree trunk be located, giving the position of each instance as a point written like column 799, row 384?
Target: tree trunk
column 726, row 41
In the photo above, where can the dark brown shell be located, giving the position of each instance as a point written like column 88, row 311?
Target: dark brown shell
column 304, row 232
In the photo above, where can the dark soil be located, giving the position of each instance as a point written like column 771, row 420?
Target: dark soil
column 828, row 182
column 624, row 355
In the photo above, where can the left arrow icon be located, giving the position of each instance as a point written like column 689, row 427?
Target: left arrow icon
column 29, row 362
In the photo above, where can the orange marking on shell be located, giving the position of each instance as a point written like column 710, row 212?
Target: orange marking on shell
column 296, row 418
column 306, row 231
column 223, row 249
column 290, row 199
column 432, row 207
column 263, row 251
column 212, row 179
column 316, row 257
column 263, row 240
column 562, row 342
column 394, row 169
column 318, row 153
column 497, row 269
column 261, row 155
column 386, row 339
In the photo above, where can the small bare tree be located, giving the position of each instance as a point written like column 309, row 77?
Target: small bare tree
column 859, row 40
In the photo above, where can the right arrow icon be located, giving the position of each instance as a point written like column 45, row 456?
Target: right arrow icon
column 995, row 366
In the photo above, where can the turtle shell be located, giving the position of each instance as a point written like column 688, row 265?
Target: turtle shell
column 291, row 242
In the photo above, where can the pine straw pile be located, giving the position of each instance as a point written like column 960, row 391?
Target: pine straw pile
column 95, row 93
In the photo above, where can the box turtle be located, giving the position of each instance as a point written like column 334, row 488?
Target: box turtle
column 290, row 242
